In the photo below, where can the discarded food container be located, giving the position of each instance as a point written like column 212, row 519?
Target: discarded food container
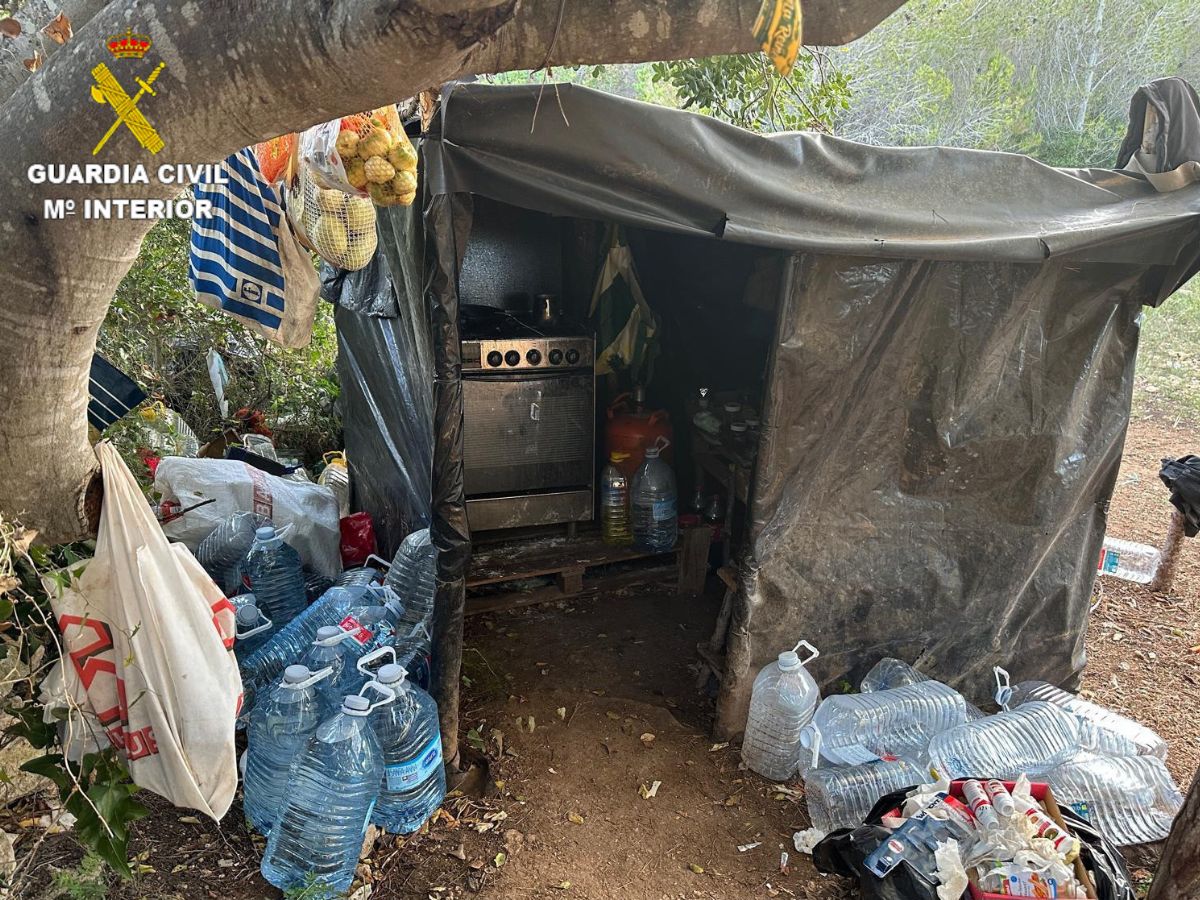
column 782, row 702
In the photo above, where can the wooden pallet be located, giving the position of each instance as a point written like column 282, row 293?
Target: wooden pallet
column 578, row 566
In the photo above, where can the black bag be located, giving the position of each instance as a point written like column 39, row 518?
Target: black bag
column 844, row 852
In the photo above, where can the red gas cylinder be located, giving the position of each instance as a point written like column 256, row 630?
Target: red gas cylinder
column 632, row 428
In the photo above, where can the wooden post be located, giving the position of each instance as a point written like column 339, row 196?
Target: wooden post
column 693, row 559
column 1178, row 874
column 1170, row 554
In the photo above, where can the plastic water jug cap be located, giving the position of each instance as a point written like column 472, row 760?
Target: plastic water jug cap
column 788, row 660
column 652, row 453
column 391, row 673
column 296, row 674
column 266, row 533
column 353, row 703
column 325, row 632
column 247, row 615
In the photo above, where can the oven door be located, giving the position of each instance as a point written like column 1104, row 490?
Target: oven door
column 528, row 431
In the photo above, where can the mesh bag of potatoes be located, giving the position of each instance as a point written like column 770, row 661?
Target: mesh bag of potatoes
column 364, row 155
column 338, row 227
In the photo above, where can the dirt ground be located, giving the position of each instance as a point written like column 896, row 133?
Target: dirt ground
column 580, row 706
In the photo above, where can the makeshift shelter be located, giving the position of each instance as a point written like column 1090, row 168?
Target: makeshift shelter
column 945, row 340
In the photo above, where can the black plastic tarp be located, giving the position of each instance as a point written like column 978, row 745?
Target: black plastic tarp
column 948, row 389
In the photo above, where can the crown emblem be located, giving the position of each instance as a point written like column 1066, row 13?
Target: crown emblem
column 129, row 45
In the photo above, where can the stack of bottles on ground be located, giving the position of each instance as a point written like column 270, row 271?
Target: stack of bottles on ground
column 904, row 729
column 341, row 732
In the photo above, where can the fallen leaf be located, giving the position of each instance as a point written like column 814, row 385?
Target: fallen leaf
column 10, row 27
column 647, row 739
column 476, row 864
column 459, row 852
column 732, row 800
column 34, row 62
column 742, row 848
column 59, row 29
column 612, row 715
column 498, row 738
column 721, row 746
column 189, row 820
column 175, row 870
column 563, row 885
column 143, row 869
column 649, row 792
column 562, row 712
column 598, row 693
column 500, row 859
column 552, row 770
column 575, row 817
column 499, row 784
column 699, row 870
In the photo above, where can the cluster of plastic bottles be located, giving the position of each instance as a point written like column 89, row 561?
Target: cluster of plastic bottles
column 642, row 511
column 324, row 759
column 852, row 749
column 319, row 770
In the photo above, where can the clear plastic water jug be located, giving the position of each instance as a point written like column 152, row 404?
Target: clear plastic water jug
column 331, row 791
column 889, row 673
column 273, row 569
column 279, row 728
column 653, row 502
column 841, row 797
column 413, row 575
column 223, row 551
column 414, row 780
column 329, row 651
column 782, row 702
column 1031, row 739
column 897, row 723
column 1131, row 799
column 1113, row 732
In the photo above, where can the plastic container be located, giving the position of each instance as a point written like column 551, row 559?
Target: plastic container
column 328, row 651
column 222, row 552
column 614, row 502
column 782, row 702
column 1113, row 732
column 279, row 728
column 889, row 673
column 632, row 432
column 274, row 575
column 414, row 779
column 898, row 723
column 332, row 788
column 1031, row 739
column 1132, row 562
column 1131, row 799
column 841, row 797
column 413, row 575
column 653, row 503
column 252, row 629
column 289, row 643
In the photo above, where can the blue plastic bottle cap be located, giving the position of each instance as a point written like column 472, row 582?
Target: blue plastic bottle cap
column 355, row 703
column 390, row 674
column 296, row 674
column 265, row 533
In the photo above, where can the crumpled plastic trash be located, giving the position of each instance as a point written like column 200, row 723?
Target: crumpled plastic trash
column 950, row 872
column 805, row 840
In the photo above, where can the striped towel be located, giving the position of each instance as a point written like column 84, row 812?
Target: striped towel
column 242, row 255
column 111, row 393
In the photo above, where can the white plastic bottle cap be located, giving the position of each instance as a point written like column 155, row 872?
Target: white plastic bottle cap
column 355, row 703
column 390, row 674
column 651, row 453
column 265, row 533
column 789, row 659
column 296, row 674
column 325, row 632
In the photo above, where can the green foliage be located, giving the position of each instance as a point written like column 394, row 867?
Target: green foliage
column 745, row 90
column 312, row 889
column 87, row 882
column 1168, row 359
column 160, row 335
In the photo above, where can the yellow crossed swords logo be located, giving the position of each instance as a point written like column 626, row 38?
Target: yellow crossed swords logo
column 108, row 90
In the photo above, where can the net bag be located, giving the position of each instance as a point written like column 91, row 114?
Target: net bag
column 338, row 227
column 365, row 155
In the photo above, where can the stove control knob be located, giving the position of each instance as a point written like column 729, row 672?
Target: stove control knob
column 534, row 357
column 572, row 356
column 556, row 357
column 513, row 358
column 495, row 358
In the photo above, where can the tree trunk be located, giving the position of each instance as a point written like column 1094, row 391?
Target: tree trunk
column 1165, row 576
column 1178, row 874
column 247, row 73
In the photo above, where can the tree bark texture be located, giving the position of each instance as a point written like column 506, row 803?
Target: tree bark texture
column 237, row 73
column 1178, row 874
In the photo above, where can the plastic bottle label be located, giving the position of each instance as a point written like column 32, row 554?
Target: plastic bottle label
column 360, row 632
column 1109, row 561
column 407, row 775
column 663, row 510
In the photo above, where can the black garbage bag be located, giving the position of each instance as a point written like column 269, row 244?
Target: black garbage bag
column 844, row 852
column 1182, row 478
